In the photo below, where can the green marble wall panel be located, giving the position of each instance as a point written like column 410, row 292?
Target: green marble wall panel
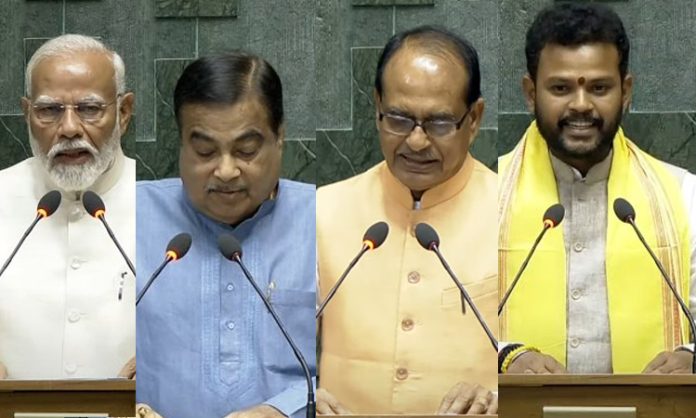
column 339, row 28
column 196, row 8
column 382, row 3
column 14, row 141
column 20, row 20
column 668, row 136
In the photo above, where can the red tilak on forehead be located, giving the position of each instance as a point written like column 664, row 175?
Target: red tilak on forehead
column 581, row 81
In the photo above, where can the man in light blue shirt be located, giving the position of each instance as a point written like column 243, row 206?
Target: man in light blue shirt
column 206, row 346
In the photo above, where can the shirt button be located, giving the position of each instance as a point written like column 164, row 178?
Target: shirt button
column 229, row 287
column 413, row 277
column 578, row 247
column 407, row 324
column 230, row 325
column 74, row 316
column 401, row 373
column 576, row 294
column 76, row 264
column 70, row 368
column 574, row 342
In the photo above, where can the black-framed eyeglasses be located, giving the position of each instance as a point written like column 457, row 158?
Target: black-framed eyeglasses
column 88, row 111
column 436, row 128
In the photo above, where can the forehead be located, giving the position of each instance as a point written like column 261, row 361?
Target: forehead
column 223, row 120
column 74, row 74
column 417, row 76
column 591, row 61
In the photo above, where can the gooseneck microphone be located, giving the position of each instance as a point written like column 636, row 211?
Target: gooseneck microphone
column 625, row 212
column 176, row 249
column 94, row 205
column 48, row 204
column 428, row 239
column 552, row 217
column 231, row 249
column 373, row 238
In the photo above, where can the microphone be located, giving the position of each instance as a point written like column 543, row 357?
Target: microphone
column 48, row 204
column 625, row 212
column 176, row 249
column 94, row 205
column 231, row 249
column 428, row 239
column 373, row 238
column 552, row 217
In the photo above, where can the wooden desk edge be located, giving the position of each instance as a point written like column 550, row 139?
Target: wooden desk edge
column 77, row 385
column 509, row 380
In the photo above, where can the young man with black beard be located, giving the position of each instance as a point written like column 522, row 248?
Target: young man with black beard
column 590, row 281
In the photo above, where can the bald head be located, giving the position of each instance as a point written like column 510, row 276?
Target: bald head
column 433, row 44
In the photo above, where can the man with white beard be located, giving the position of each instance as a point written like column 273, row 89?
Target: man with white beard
column 67, row 298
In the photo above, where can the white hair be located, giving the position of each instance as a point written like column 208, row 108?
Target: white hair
column 66, row 45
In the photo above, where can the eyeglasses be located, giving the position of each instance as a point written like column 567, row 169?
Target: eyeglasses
column 403, row 126
column 89, row 112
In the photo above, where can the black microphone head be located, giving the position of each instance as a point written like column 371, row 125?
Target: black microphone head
column 179, row 246
column 375, row 235
column 554, row 215
column 229, row 247
column 426, row 236
column 93, row 204
column 624, row 210
column 48, row 204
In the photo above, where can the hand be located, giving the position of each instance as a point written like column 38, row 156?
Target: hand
column 128, row 370
column 464, row 398
column 327, row 404
column 532, row 362
column 144, row 411
column 260, row 411
column 3, row 371
column 671, row 362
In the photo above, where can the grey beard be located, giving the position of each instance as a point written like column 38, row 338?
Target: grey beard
column 72, row 178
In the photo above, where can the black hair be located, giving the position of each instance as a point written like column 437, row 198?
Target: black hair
column 226, row 79
column 573, row 24
column 435, row 40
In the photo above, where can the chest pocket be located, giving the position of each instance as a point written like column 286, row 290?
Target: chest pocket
column 482, row 292
column 296, row 309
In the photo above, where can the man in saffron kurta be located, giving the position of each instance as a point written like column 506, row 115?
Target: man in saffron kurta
column 591, row 300
column 394, row 339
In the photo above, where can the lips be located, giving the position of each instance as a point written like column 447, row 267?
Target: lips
column 73, row 156
column 417, row 163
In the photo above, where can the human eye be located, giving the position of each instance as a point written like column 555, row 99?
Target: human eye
column 48, row 110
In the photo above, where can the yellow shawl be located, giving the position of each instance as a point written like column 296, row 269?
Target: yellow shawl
column 644, row 318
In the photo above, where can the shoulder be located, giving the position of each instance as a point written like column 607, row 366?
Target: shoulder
column 350, row 188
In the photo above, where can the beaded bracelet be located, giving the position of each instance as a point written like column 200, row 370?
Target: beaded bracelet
column 514, row 354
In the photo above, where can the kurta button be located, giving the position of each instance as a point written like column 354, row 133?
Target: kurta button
column 74, row 316
column 229, row 287
column 574, row 342
column 70, row 368
column 230, row 325
column 575, row 294
column 413, row 277
column 401, row 373
column 578, row 247
column 407, row 324
column 76, row 264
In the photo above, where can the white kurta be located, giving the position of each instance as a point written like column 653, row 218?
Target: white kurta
column 60, row 316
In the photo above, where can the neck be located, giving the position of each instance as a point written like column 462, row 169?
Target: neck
column 584, row 164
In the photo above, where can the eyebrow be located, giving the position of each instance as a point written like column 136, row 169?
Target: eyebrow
column 574, row 79
column 44, row 99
